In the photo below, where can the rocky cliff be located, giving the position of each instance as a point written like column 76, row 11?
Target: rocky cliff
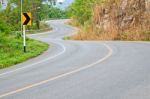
column 120, row 14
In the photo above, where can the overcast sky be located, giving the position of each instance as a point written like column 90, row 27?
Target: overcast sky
column 65, row 3
column 60, row 0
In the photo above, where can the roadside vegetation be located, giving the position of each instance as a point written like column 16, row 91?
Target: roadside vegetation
column 111, row 19
column 51, row 12
column 11, row 41
column 11, row 50
column 44, row 27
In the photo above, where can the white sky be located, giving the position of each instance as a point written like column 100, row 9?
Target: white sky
column 60, row 0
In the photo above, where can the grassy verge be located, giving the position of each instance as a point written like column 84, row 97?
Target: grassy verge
column 11, row 50
column 67, row 38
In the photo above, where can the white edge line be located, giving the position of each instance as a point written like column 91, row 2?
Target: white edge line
column 62, row 75
column 28, row 66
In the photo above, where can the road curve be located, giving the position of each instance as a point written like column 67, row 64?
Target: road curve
column 80, row 69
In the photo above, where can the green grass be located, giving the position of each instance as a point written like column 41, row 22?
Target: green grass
column 67, row 38
column 11, row 50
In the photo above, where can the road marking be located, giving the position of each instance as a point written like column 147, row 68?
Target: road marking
column 49, row 58
column 110, row 51
column 28, row 66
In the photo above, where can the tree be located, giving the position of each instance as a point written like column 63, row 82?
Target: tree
column 28, row 6
column 52, row 2
column 81, row 10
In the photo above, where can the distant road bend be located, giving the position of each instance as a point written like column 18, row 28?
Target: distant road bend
column 80, row 69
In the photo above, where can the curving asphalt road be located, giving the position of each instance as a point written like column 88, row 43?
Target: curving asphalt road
column 80, row 70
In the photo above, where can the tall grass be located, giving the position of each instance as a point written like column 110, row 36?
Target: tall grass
column 107, row 22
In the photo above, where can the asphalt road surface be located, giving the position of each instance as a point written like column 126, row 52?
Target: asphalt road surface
column 80, row 69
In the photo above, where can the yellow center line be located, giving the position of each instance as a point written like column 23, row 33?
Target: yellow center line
column 110, row 51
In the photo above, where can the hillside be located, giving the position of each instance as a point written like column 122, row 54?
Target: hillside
column 112, row 19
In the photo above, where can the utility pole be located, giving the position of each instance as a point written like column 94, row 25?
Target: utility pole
column 21, row 16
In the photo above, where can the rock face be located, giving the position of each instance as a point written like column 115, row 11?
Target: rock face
column 122, row 15
column 102, row 17
column 147, row 5
column 131, row 12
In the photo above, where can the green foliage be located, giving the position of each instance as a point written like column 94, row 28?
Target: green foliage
column 52, row 2
column 81, row 10
column 44, row 12
column 0, row 7
column 12, row 52
column 39, row 12
column 67, row 38
column 51, row 12
column 4, row 28
column 57, row 13
column 28, row 6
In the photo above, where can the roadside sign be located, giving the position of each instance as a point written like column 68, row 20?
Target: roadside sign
column 26, row 18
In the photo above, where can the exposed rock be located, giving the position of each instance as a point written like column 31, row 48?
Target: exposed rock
column 102, row 17
column 131, row 12
column 124, row 15
column 147, row 5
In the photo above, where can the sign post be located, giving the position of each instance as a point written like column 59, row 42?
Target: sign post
column 26, row 20
column 24, row 38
